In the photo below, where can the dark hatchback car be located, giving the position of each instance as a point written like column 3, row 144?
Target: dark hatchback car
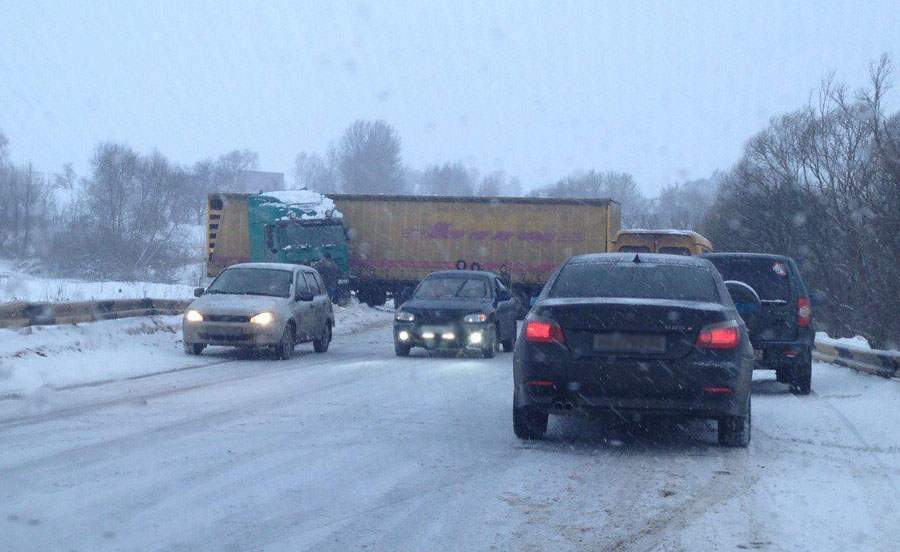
column 781, row 331
column 457, row 309
column 634, row 333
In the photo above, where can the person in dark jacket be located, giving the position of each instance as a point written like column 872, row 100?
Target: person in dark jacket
column 330, row 274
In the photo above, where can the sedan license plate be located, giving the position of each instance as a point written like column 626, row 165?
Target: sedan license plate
column 630, row 343
column 757, row 354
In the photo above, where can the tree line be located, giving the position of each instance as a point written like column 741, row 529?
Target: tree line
column 822, row 185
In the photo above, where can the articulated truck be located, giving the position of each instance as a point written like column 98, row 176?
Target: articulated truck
column 384, row 244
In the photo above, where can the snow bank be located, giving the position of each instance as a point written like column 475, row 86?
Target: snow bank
column 315, row 204
column 75, row 354
column 859, row 342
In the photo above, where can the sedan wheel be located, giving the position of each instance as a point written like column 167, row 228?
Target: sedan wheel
column 734, row 431
column 321, row 345
column 285, row 347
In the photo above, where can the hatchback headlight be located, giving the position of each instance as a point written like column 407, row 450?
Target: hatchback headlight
column 404, row 316
column 193, row 316
column 263, row 318
column 477, row 318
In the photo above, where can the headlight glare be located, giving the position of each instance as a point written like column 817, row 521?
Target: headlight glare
column 477, row 318
column 193, row 316
column 263, row 318
column 404, row 316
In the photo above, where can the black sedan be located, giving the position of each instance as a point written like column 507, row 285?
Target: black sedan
column 457, row 309
column 634, row 333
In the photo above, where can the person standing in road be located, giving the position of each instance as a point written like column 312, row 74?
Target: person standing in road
column 505, row 276
column 330, row 274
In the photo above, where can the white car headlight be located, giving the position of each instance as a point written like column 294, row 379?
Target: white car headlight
column 193, row 316
column 477, row 318
column 403, row 316
column 263, row 318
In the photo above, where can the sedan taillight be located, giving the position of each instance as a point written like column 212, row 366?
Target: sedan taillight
column 804, row 312
column 540, row 331
column 725, row 335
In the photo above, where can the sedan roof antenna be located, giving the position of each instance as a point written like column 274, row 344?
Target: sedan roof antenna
column 636, row 259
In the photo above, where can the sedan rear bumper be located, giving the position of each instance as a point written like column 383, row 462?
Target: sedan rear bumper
column 705, row 387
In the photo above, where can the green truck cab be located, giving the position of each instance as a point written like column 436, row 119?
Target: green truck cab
column 293, row 227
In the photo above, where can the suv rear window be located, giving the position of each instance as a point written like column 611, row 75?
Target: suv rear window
column 768, row 277
column 636, row 281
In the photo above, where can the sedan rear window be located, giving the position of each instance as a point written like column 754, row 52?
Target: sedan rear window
column 635, row 281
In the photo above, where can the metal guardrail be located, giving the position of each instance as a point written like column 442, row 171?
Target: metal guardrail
column 21, row 314
column 879, row 363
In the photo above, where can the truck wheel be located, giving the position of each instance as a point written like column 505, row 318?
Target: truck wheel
column 321, row 345
column 376, row 299
column 783, row 375
column 801, row 377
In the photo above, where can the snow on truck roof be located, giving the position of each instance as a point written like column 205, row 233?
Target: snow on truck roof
column 661, row 232
column 314, row 204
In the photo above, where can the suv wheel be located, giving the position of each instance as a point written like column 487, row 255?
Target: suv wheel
column 321, row 345
column 801, row 380
column 734, row 431
column 285, row 347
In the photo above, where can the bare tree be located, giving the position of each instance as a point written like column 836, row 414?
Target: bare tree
column 821, row 185
column 449, row 179
column 124, row 228
column 312, row 172
column 636, row 209
column 369, row 158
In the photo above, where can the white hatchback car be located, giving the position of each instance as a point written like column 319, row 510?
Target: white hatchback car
column 254, row 305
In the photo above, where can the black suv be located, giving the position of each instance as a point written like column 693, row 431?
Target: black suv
column 781, row 331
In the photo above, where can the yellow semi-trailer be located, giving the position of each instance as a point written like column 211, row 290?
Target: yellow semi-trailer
column 395, row 241
column 389, row 243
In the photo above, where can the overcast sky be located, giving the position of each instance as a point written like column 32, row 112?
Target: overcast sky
column 667, row 91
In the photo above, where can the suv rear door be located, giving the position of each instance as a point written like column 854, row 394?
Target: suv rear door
column 771, row 278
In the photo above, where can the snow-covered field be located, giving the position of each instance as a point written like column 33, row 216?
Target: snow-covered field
column 357, row 449
column 17, row 285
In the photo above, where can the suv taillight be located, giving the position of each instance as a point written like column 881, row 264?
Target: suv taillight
column 540, row 331
column 804, row 312
column 724, row 335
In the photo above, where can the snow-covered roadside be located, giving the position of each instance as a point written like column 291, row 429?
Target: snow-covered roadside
column 58, row 356
column 16, row 285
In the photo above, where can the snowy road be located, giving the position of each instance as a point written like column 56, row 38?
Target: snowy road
column 359, row 450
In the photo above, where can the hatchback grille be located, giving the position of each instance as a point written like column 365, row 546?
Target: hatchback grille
column 227, row 318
